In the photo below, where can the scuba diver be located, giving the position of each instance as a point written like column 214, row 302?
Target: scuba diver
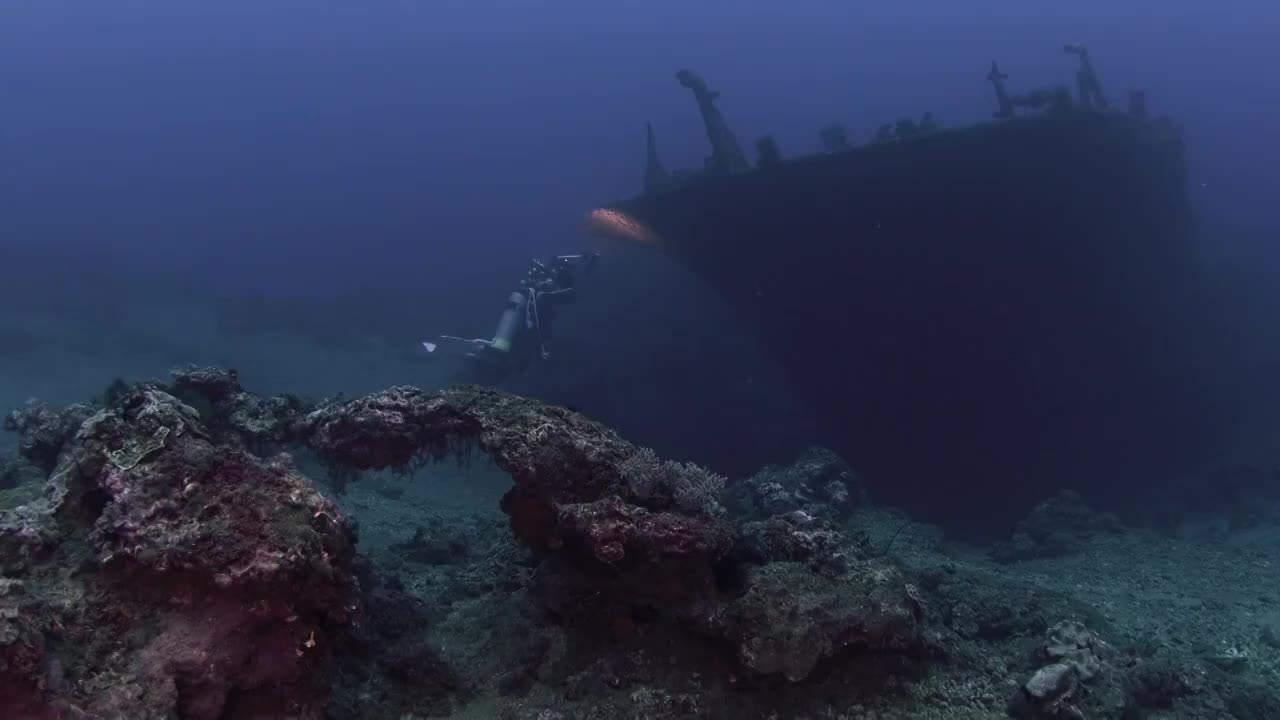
column 527, row 323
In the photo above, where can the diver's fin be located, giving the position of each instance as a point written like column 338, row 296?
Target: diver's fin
column 454, row 346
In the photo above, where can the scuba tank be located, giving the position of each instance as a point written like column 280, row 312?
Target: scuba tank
column 513, row 316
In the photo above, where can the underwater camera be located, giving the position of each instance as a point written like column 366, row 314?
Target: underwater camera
column 559, row 272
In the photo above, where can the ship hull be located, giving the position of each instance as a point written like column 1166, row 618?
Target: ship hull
column 977, row 317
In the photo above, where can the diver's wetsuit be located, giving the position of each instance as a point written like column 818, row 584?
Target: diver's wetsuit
column 548, row 286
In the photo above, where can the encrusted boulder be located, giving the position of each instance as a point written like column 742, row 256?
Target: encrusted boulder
column 22, row 656
column 176, row 502
column 795, row 537
column 818, row 483
column 17, row 471
column 791, row 618
column 1077, row 680
column 211, row 584
column 1072, row 644
column 43, row 430
column 229, row 412
column 579, row 489
column 624, row 528
column 1058, row 526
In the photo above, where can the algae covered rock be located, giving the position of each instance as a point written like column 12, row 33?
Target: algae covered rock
column 578, row 488
column 1058, row 526
column 211, row 584
column 43, row 430
column 230, row 412
column 791, row 618
column 795, row 537
column 22, row 654
column 177, row 502
column 1078, row 680
column 819, row 482
column 20, row 481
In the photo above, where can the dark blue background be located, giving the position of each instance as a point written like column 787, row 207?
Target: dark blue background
column 395, row 162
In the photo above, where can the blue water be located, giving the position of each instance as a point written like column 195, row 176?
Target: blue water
column 306, row 191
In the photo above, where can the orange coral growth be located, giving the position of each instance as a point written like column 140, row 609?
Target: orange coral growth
column 619, row 225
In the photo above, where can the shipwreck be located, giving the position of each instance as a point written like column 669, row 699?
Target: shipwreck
column 978, row 315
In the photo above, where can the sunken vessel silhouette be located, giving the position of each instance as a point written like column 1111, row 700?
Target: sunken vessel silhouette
column 977, row 316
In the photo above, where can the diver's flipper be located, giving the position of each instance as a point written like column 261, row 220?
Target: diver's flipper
column 456, row 347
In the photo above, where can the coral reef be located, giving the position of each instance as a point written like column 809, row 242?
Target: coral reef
column 642, row 535
column 167, row 571
column 233, row 414
column 236, row 581
column 205, row 583
column 793, row 513
column 42, row 430
column 819, row 482
column 794, row 537
column 17, row 471
column 790, row 618
column 579, row 489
